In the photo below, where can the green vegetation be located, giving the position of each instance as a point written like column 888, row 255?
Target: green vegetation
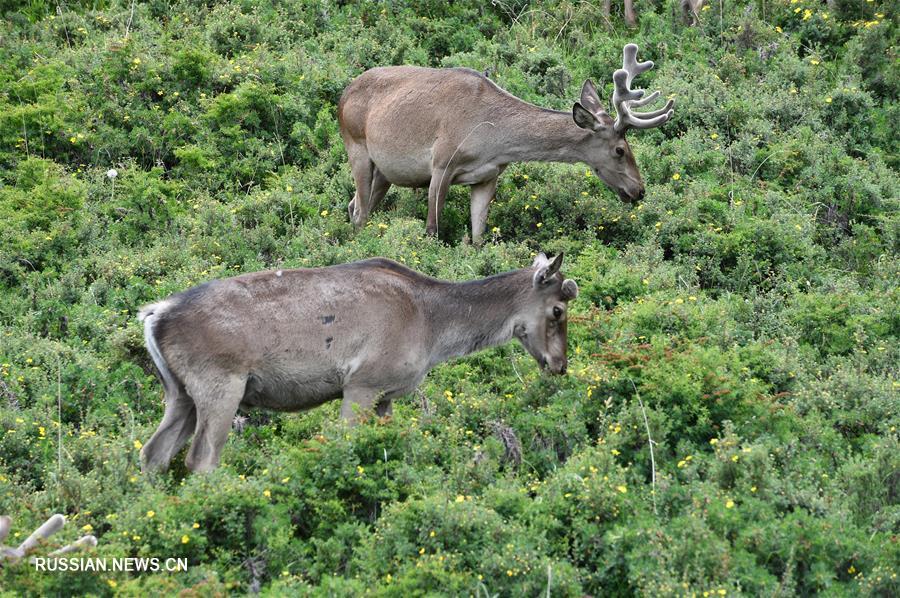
column 746, row 314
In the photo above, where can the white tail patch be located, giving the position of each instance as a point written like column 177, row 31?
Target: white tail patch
column 148, row 316
column 279, row 273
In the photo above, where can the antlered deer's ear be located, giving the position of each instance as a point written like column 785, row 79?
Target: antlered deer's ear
column 589, row 98
column 584, row 118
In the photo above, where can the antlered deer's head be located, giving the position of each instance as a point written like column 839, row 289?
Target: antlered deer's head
column 612, row 159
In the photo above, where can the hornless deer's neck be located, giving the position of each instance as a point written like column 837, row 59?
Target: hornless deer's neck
column 535, row 134
column 470, row 316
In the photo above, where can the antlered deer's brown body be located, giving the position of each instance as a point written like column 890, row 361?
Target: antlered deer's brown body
column 414, row 127
column 367, row 331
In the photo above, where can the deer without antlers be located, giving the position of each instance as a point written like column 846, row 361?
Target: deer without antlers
column 416, row 127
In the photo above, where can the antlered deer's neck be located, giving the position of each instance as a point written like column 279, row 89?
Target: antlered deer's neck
column 470, row 316
column 533, row 134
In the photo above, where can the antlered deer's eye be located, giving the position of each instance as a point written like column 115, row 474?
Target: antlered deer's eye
column 557, row 312
column 620, row 151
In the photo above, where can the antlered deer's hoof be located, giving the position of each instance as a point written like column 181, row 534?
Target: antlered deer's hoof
column 357, row 217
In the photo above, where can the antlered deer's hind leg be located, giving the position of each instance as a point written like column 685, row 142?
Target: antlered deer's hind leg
column 481, row 196
column 363, row 169
column 380, row 186
column 177, row 425
column 217, row 397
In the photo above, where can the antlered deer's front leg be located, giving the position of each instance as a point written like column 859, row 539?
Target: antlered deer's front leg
column 437, row 195
column 482, row 194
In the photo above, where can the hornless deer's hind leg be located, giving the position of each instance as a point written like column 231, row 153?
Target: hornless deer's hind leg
column 481, row 196
column 176, row 427
column 358, row 402
column 217, row 402
column 384, row 408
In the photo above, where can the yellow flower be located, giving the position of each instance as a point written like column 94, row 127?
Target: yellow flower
column 679, row 300
column 267, row 493
column 807, row 14
column 289, row 189
column 729, row 504
column 752, row 488
column 714, row 441
column 851, row 570
column 196, row 525
column 828, row 100
column 539, row 224
column 714, row 136
column 778, row 29
column 676, row 176
column 112, row 583
column 460, row 498
column 136, row 61
column 87, row 528
column 615, row 453
column 138, row 445
column 735, row 458
column 623, row 489
column 814, row 61
column 151, row 514
column 324, row 213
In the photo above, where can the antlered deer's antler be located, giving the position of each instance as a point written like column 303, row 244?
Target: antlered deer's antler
column 624, row 98
column 50, row 527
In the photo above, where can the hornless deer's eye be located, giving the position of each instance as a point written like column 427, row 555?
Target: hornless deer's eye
column 620, row 151
column 557, row 312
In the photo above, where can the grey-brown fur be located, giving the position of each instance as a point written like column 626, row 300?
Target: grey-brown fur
column 367, row 331
column 416, row 127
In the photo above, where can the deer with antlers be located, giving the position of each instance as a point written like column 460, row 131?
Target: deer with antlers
column 49, row 527
column 416, row 127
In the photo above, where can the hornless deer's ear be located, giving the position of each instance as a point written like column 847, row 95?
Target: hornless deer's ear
column 584, row 118
column 546, row 272
column 569, row 289
column 540, row 260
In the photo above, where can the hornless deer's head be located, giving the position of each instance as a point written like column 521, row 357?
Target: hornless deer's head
column 611, row 157
column 543, row 327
